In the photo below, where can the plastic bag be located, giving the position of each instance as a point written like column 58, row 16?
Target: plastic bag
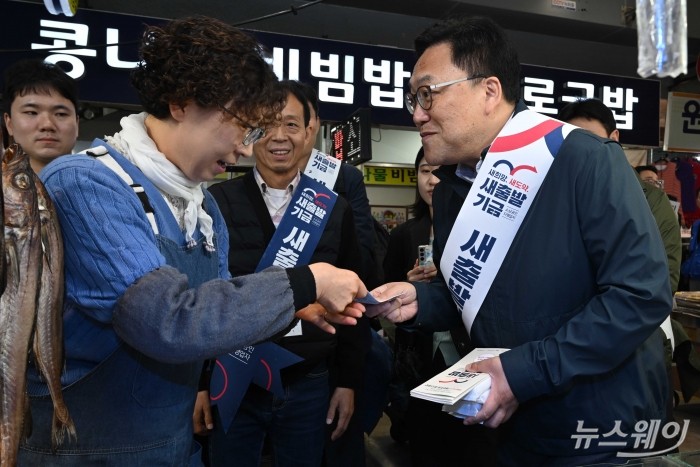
column 662, row 37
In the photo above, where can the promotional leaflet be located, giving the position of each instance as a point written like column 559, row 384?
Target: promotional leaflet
column 452, row 384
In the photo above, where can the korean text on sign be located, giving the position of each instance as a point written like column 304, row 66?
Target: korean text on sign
column 402, row 176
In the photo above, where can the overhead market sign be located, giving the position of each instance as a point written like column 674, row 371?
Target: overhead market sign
column 682, row 133
column 100, row 48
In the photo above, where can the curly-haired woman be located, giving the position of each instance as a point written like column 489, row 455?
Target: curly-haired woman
column 148, row 293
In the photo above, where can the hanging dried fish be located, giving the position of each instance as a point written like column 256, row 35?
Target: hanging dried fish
column 19, row 300
column 31, row 306
column 48, row 336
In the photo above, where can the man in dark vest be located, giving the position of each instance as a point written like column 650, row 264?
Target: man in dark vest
column 254, row 206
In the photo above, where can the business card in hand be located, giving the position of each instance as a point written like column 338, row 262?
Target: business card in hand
column 369, row 299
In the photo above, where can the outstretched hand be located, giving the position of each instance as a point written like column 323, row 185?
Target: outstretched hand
column 402, row 307
column 337, row 288
column 318, row 315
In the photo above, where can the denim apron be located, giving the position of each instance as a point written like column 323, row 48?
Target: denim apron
column 140, row 410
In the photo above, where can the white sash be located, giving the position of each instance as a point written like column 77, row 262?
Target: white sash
column 323, row 168
column 508, row 180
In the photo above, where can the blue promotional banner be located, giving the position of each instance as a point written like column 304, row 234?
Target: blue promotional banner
column 301, row 227
column 235, row 371
column 292, row 244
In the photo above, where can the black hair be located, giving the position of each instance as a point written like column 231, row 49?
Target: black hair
column 590, row 109
column 479, row 47
column 310, row 94
column 4, row 137
column 642, row 168
column 37, row 76
column 296, row 89
column 419, row 208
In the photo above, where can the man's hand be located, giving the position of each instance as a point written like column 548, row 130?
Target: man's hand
column 202, row 419
column 337, row 288
column 342, row 402
column 398, row 310
column 501, row 403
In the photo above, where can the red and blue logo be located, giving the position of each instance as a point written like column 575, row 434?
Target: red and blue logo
column 550, row 130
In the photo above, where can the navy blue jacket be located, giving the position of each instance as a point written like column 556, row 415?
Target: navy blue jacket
column 351, row 186
column 579, row 299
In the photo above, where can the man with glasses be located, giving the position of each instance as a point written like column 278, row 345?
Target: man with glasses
column 546, row 247
column 650, row 174
column 256, row 207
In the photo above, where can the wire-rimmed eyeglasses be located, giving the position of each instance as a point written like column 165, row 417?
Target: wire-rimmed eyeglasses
column 253, row 135
column 424, row 94
column 656, row 183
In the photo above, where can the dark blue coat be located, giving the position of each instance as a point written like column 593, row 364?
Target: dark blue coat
column 579, row 299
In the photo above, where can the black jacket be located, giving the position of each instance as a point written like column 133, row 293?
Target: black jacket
column 250, row 231
column 402, row 251
column 350, row 185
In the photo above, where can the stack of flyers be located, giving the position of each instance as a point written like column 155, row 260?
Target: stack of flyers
column 472, row 402
column 454, row 383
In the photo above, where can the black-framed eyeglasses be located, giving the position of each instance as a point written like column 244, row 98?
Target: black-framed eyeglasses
column 253, row 135
column 424, row 94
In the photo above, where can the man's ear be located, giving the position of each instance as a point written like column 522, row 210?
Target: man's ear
column 494, row 92
column 8, row 123
column 308, row 131
column 615, row 135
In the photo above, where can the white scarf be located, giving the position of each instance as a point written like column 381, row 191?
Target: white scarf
column 135, row 144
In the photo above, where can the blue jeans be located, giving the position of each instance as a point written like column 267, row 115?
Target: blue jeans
column 294, row 424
